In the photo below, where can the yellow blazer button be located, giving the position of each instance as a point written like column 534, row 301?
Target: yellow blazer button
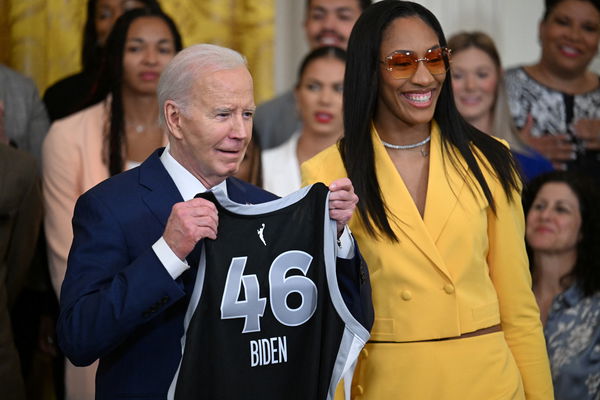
column 448, row 288
column 406, row 295
column 359, row 390
column 365, row 353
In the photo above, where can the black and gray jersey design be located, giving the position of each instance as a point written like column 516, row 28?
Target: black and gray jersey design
column 266, row 319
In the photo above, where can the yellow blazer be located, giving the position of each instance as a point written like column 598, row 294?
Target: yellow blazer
column 458, row 269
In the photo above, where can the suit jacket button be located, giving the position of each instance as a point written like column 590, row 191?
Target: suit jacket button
column 364, row 353
column 164, row 300
column 448, row 288
column 406, row 295
column 358, row 390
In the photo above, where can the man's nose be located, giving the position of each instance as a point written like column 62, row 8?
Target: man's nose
column 330, row 21
column 241, row 127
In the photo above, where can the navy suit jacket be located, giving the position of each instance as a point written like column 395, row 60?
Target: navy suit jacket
column 118, row 303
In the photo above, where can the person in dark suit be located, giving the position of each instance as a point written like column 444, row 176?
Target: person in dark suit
column 134, row 255
column 20, row 221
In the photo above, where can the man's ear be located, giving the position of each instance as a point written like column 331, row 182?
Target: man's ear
column 172, row 114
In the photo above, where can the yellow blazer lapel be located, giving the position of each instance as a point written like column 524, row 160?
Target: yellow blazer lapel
column 406, row 220
column 443, row 189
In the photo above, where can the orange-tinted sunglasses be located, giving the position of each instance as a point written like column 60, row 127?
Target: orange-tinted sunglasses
column 403, row 64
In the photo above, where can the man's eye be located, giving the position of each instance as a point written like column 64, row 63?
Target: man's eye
column 317, row 16
column 345, row 17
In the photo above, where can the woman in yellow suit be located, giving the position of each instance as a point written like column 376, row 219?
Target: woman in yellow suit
column 440, row 224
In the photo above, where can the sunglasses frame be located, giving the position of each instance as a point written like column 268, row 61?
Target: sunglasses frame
column 446, row 53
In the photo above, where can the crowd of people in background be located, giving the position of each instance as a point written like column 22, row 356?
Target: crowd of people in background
column 477, row 187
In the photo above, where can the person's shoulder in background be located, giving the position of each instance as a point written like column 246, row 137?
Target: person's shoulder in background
column 276, row 120
column 68, row 95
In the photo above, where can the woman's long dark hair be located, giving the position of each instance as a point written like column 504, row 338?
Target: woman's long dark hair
column 586, row 271
column 361, row 84
column 91, row 51
column 112, row 78
column 93, row 54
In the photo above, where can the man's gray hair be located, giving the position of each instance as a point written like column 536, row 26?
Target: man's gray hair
column 177, row 80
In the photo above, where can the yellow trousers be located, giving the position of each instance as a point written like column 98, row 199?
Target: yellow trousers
column 474, row 368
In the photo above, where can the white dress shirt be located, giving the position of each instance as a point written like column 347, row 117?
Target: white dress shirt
column 281, row 169
column 188, row 186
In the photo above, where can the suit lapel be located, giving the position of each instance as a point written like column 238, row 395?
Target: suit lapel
column 160, row 196
column 235, row 191
column 161, row 191
column 444, row 187
column 408, row 222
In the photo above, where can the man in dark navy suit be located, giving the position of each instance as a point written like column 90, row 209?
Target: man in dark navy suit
column 134, row 256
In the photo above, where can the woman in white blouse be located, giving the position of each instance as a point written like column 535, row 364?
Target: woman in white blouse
column 319, row 98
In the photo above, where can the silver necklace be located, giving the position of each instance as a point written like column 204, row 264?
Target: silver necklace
column 406, row 146
column 423, row 142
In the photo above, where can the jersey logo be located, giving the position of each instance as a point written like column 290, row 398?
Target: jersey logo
column 260, row 234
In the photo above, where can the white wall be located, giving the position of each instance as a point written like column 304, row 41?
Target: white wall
column 512, row 23
column 290, row 43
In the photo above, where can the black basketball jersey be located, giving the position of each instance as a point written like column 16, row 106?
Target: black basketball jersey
column 266, row 319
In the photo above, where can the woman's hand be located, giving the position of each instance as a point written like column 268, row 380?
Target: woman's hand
column 557, row 148
column 342, row 202
column 588, row 131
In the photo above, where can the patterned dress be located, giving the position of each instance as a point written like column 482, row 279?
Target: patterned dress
column 573, row 339
column 553, row 112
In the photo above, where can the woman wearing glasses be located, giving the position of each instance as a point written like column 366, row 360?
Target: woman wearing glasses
column 440, row 224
